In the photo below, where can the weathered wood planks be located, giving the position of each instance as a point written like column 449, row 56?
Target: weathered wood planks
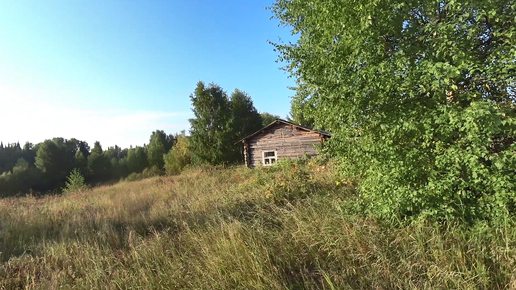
column 286, row 140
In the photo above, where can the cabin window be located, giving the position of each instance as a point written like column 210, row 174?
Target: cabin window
column 269, row 157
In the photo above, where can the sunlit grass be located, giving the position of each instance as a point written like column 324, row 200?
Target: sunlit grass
column 289, row 228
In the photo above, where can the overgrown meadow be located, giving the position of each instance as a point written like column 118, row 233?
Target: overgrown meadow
column 294, row 226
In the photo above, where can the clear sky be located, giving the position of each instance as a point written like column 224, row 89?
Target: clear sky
column 114, row 71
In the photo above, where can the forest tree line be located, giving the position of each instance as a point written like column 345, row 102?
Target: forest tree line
column 219, row 121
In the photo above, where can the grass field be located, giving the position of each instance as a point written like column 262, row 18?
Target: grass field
column 292, row 227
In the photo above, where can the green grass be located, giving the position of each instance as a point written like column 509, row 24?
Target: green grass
column 292, row 227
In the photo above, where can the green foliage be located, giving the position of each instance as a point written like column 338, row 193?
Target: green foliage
column 97, row 148
column 419, row 96
column 245, row 121
column 461, row 170
column 21, row 182
column 268, row 118
column 38, row 168
column 220, row 122
column 299, row 107
column 84, row 148
column 179, row 156
column 136, row 160
column 21, row 165
column 81, row 162
column 75, row 182
column 44, row 167
column 54, row 160
column 288, row 180
column 146, row 173
column 99, row 166
column 29, row 153
column 211, row 132
column 158, row 146
column 10, row 153
column 115, row 152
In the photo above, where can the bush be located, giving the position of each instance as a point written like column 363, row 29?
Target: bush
column 288, row 180
column 75, row 182
column 21, row 181
column 464, row 170
column 147, row 173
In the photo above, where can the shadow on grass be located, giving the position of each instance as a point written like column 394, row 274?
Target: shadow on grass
column 28, row 238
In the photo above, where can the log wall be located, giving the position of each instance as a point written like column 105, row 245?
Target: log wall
column 286, row 140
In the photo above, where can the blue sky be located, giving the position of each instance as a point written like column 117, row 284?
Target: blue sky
column 114, row 71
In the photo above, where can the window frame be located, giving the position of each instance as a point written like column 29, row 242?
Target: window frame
column 271, row 159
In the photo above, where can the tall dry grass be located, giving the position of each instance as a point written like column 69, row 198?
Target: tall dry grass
column 292, row 227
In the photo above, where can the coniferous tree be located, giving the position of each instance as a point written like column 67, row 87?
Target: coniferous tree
column 2, row 158
column 97, row 148
column 245, row 120
column 84, row 148
column 29, row 153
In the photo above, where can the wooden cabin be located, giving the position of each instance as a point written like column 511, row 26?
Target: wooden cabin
column 280, row 139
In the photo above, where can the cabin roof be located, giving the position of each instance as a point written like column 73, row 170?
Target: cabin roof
column 281, row 121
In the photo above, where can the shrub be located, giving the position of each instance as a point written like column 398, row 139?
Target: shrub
column 20, row 181
column 147, row 173
column 461, row 171
column 420, row 101
column 75, row 182
column 288, row 180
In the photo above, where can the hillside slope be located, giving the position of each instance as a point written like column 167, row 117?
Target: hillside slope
column 291, row 227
